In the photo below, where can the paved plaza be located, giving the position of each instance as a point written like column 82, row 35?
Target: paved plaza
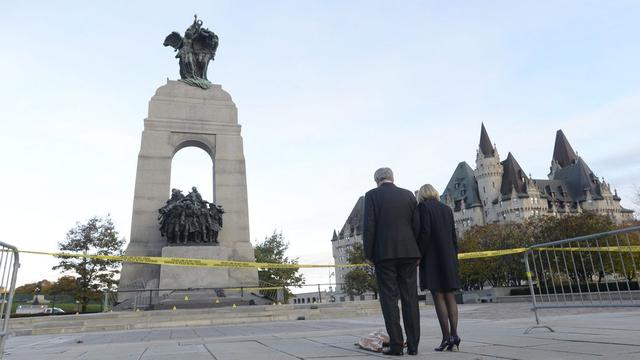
column 489, row 331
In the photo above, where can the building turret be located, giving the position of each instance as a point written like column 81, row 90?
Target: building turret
column 488, row 173
column 563, row 154
column 513, row 177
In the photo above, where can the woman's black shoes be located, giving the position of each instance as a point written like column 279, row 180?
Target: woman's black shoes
column 448, row 344
column 445, row 345
column 455, row 340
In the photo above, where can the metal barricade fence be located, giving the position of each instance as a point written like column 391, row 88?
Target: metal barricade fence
column 598, row 270
column 9, row 264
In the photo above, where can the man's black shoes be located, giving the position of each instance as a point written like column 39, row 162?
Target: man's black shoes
column 392, row 352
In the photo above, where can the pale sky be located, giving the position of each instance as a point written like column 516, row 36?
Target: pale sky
column 327, row 91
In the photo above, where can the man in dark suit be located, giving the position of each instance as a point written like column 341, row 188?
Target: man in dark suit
column 390, row 228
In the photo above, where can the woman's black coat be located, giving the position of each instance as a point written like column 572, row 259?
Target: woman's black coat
column 439, row 246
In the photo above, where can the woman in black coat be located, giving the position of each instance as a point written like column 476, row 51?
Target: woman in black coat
column 439, row 264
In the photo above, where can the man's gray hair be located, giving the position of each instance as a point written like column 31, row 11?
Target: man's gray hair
column 383, row 174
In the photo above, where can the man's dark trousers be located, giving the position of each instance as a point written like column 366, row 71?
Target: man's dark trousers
column 398, row 278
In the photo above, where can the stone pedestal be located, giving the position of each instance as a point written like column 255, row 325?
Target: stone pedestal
column 183, row 277
column 179, row 116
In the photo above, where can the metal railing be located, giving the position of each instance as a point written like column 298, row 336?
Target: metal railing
column 264, row 294
column 9, row 264
column 599, row 270
column 325, row 293
column 152, row 299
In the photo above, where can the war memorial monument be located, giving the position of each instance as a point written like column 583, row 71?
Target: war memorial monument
column 191, row 111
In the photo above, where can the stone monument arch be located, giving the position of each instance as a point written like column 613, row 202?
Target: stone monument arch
column 180, row 116
column 206, row 145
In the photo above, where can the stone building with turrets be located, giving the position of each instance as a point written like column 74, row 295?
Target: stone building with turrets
column 500, row 191
column 343, row 240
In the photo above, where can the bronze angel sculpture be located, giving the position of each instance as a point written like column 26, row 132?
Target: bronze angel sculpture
column 195, row 50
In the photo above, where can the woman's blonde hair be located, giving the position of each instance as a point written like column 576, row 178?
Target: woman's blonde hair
column 427, row 191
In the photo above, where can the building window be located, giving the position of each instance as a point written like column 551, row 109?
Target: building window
column 484, row 191
column 517, row 213
column 504, row 216
column 493, row 184
column 457, row 186
column 362, row 298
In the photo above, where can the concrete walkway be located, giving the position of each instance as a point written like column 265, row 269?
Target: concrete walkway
column 488, row 331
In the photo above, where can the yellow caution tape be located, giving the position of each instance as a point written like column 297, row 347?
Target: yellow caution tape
column 490, row 253
column 157, row 260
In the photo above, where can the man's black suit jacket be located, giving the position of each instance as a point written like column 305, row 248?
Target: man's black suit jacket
column 391, row 224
